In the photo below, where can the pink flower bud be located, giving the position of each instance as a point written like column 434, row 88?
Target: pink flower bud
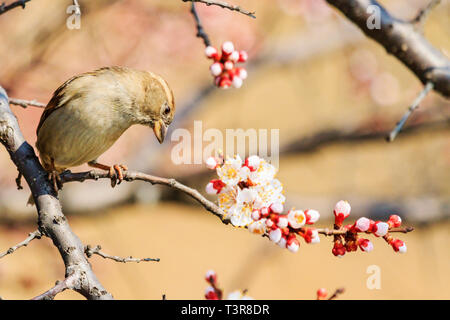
column 210, row 294
column 365, row 245
column 211, row 276
column 215, row 186
column 282, row 222
column 276, row 207
column 241, row 73
column 243, row 56
column 211, row 52
column 269, row 223
column 395, row 221
column 282, row 242
column 225, row 83
column 341, row 211
column 234, row 56
column 228, row 65
column 312, row 216
column 380, row 229
column 322, row 294
column 275, row 235
column 228, row 47
column 399, row 246
column 315, row 237
column 362, row 224
column 265, row 211
column 216, row 68
column 237, row 82
column 293, row 244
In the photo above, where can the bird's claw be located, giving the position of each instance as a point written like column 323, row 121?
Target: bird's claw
column 116, row 173
column 55, row 179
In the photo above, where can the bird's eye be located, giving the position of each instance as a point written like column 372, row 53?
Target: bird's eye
column 167, row 110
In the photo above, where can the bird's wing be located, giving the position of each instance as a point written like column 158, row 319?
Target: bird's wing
column 62, row 95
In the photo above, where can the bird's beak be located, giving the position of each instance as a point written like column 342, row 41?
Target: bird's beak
column 160, row 129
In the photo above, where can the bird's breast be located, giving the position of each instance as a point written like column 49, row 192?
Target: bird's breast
column 78, row 133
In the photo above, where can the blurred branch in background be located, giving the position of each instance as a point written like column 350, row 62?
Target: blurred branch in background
column 224, row 5
column 414, row 106
column 401, row 39
column 19, row 3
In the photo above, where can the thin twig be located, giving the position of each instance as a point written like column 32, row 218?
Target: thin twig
column 133, row 175
column 423, row 14
column 31, row 236
column 342, row 231
column 97, row 250
column 20, row 3
column 60, row 286
column 200, row 31
column 338, row 292
column 225, row 5
column 414, row 106
column 26, row 103
column 78, row 10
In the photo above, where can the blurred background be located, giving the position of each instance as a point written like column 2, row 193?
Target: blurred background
column 332, row 93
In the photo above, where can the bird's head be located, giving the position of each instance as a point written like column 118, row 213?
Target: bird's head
column 158, row 107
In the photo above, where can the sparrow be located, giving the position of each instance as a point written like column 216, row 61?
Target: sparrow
column 90, row 111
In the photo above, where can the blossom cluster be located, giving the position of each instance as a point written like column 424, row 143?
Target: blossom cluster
column 224, row 69
column 350, row 239
column 251, row 197
column 212, row 292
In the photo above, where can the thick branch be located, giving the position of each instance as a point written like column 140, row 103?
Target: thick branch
column 33, row 235
column 97, row 250
column 20, row 3
column 51, row 220
column 401, row 39
column 225, row 5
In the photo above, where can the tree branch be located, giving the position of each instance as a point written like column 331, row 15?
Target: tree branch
column 338, row 292
column 401, row 39
column 27, row 103
column 68, row 176
column 31, row 236
column 423, row 14
column 97, row 250
column 198, row 24
column 343, row 231
column 19, row 3
column 60, row 286
column 52, row 222
column 414, row 106
column 225, row 5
